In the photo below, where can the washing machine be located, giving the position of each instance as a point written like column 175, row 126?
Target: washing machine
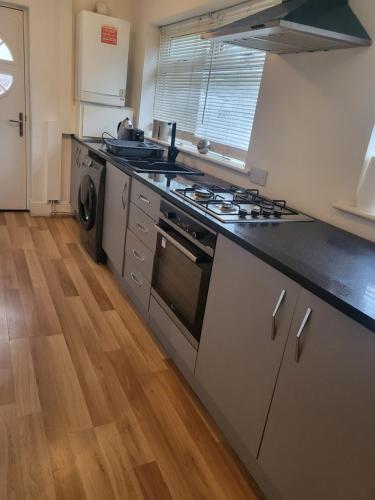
column 91, row 205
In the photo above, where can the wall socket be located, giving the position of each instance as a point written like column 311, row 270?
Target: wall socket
column 258, row 176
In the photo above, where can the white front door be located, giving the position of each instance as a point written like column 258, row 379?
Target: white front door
column 13, row 172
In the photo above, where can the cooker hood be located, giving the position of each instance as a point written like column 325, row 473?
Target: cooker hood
column 296, row 26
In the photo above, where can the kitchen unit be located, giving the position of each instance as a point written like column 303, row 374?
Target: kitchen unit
column 181, row 277
column 304, row 414
column 319, row 434
column 258, row 313
column 140, row 248
column 115, row 221
column 283, row 357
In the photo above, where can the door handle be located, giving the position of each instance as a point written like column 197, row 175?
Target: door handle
column 305, row 320
column 19, row 122
column 275, row 313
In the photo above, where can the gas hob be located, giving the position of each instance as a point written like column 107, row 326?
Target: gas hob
column 237, row 205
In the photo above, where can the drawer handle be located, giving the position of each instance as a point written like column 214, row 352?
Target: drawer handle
column 305, row 320
column 275, row 314
column 144, row 199
column 136, row 280
column 122, row 196
column 141, row 228
column 138, row 257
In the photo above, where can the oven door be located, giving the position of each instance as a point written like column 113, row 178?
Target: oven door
column 181, row 278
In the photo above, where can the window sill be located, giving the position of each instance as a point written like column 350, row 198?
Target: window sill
column 211, row 157
column 352, row 209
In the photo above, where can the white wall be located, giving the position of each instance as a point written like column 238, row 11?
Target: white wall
column 314, row 119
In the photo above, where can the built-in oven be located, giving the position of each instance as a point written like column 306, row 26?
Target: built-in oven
column 182, row 268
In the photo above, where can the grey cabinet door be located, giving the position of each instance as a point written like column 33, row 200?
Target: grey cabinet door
column 238, row 360
column 116, row 204
column 319, row 439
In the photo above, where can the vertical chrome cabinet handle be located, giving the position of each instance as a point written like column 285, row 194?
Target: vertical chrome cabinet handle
column 134, row 278
column 137, row 256
column 143, row 198
column 122, row 196
column 275, row 313
column 299, row 334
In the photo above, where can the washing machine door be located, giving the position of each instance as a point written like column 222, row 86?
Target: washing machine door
column 87, row 200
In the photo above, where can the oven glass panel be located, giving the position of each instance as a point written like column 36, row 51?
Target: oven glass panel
column 182, row 283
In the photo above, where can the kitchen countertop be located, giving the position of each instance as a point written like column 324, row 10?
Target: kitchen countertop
column 335, row 265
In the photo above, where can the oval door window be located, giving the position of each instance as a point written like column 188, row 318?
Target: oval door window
column 5, row 53
column 6, row 82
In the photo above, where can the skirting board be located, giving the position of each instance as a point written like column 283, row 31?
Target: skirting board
column 43, row 209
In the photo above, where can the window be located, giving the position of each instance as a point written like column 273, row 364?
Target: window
column 209, row 88
column 5, row 53
column 6, row 82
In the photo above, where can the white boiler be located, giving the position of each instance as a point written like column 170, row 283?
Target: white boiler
column 102, row 59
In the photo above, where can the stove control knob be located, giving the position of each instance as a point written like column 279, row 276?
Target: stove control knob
column 266, row 213
column 198, row 235
column 255, row 212
column 170, row 215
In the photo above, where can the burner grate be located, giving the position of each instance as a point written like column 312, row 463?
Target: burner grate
column 234, row 204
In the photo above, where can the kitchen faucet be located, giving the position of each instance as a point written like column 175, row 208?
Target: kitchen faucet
column 173, row 152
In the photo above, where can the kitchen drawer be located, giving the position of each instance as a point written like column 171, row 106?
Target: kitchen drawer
column 171, row 338
column 139, row 254
column 143, row 227
column 146, row 199
column 137, row 287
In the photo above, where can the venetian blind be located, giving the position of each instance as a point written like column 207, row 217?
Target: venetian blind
column 209, row 88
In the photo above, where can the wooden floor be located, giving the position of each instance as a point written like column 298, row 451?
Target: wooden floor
column 89, row 406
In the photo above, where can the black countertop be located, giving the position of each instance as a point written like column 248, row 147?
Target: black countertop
column 337, row 266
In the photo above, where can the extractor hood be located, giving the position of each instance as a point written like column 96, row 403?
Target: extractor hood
column 296, row 26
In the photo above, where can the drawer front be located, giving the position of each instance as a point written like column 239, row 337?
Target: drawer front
column 139, row 254
column 173, row 341
column 143, row 227
column 137, row 286
column 146, row 199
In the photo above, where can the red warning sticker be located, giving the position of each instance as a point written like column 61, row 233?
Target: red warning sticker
column 109, row 35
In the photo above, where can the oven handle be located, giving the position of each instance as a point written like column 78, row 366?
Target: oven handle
column 175, row 243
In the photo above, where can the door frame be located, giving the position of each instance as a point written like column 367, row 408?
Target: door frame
column 27, row 124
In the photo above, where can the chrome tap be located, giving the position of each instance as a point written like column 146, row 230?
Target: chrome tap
column 173, row 152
